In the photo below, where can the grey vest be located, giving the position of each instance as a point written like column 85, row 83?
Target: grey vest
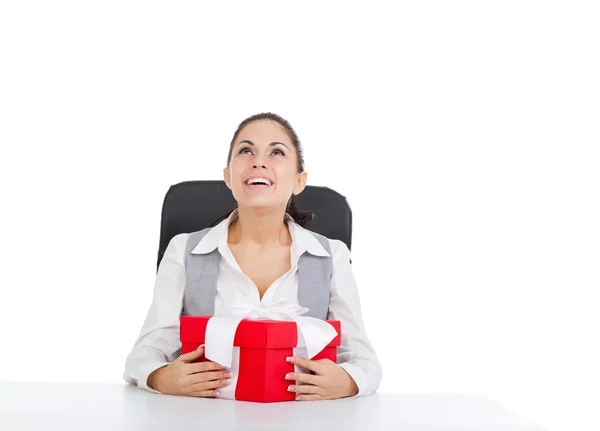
column 202, row 272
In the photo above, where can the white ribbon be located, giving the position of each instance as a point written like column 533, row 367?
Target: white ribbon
column 313, row 334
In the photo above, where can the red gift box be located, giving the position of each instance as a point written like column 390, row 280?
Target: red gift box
column 263, row 346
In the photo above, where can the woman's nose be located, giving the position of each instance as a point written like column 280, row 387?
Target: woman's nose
column 259, row 161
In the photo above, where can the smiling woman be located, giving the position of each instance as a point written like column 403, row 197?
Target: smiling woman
column 287, row 148
column 258, row 250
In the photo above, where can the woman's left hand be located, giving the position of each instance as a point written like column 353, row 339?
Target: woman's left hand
column 330, row 381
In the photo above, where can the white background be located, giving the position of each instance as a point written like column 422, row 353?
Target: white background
column 465, row 136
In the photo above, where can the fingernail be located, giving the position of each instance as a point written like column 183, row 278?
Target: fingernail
column 229, row 375
column 290, row 359
column 288, row 376
column 226, row 382
column 217, row 395
column 291, row 388
column 199, row 347
column 223, row 367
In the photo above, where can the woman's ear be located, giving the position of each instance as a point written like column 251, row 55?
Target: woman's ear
column 300, row 183
column 227, row 177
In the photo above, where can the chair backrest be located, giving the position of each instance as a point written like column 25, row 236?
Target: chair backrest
column 195, row 205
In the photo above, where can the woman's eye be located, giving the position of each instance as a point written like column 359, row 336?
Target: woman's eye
column 249, row 151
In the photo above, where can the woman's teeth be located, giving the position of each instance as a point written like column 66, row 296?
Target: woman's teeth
column 263, row 181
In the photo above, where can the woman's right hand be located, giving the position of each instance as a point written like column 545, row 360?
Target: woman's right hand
column 188, row 378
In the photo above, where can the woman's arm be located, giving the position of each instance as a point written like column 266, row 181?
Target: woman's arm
column 355, row 354
column 159, row 337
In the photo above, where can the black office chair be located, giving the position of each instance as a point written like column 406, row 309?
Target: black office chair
column 195, row 205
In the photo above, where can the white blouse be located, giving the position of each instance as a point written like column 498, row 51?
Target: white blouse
column 159, row 337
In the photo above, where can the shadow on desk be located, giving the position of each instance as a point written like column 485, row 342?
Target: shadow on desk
column 42, row 406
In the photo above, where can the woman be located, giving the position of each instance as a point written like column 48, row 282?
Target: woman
column 259, row 244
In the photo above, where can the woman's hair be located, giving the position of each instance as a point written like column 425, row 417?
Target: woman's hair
column 303, row 218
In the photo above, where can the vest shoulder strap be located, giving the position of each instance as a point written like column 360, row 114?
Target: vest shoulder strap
column 314, row 285
column 202, row 272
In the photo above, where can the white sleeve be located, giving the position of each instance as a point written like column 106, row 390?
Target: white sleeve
column 355, row 354
column 159, row 337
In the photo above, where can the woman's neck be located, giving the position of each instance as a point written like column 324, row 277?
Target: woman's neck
column 259, row 227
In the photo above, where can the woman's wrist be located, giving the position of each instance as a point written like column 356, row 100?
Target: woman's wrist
column 353, row 388
column 153, row 378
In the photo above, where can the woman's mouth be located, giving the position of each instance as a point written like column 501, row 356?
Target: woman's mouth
column 258, row 183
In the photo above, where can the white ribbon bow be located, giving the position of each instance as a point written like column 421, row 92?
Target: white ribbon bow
column 313, row 334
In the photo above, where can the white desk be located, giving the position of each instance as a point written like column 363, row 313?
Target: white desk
column 62, row 406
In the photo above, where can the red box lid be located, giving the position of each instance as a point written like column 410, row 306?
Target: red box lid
column 267, row 334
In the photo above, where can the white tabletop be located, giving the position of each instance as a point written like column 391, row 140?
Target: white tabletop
column 53, row 406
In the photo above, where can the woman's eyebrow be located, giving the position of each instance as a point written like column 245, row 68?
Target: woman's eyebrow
column 272, row 144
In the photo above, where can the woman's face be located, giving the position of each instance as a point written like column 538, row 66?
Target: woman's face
column 263, row 171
